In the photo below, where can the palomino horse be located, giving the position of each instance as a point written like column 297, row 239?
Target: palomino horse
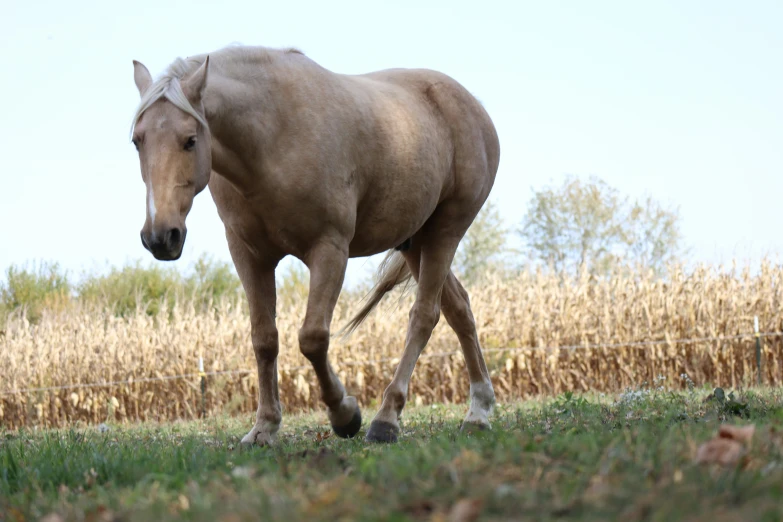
column 302, row 161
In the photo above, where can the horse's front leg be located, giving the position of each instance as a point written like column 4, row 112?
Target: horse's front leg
column 327, row 263
column 258, row 280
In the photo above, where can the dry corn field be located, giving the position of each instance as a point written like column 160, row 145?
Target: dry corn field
column 533, row 313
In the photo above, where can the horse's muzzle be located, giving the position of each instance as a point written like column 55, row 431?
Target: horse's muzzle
column 167, row 246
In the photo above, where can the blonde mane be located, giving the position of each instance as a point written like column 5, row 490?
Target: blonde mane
column 168, row 86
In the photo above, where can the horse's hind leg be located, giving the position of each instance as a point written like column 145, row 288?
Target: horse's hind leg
column 456, row 308
column 436, row 254
column 455, row 305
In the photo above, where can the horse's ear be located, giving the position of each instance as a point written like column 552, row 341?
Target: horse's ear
column 195, row 85
column 141, row 76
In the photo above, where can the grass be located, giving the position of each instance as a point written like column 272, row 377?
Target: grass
column 576, row 457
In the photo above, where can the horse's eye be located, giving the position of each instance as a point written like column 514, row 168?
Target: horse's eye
column 190, row 143
column 135, row 144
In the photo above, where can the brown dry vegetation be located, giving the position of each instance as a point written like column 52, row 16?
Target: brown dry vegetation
column 532, row 312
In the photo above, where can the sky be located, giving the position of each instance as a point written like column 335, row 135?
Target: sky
column 679, row 100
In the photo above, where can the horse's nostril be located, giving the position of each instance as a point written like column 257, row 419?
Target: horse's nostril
column 173, row 237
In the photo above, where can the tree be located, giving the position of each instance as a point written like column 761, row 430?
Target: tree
column 654, row 235
column 591, row 225
column 483, row 245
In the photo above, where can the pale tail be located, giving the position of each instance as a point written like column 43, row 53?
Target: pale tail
column 392, row 271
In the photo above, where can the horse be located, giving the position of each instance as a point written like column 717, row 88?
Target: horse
column 323, row 166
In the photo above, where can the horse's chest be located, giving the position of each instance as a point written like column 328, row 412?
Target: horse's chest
column 262, row 224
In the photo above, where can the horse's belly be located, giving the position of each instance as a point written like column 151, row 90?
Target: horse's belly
column 388, row 217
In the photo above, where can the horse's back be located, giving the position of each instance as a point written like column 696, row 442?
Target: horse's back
column 469, row 123
column 464, row 123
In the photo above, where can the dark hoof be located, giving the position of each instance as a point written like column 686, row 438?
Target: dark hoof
column 473, row 427
column 381, row 431
column 350, row 429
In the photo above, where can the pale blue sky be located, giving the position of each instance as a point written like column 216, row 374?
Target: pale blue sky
column 683, row 100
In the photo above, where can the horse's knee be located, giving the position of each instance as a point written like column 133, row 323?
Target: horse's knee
column 265, row 343
column 313, row 341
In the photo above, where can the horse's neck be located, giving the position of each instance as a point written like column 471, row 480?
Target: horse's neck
column 245, row 108
column 234, row 129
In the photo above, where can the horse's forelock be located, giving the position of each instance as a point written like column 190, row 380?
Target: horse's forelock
column 168, row 86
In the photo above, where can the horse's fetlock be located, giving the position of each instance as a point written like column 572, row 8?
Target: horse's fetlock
column 395, row 398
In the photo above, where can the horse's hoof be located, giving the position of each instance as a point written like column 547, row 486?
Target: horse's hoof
column 259, row 439
column 474, row 427
column 352, row 428
column 262, row 434
column 381, row 431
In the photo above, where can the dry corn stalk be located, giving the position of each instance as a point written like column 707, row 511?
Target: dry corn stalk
column 530, row 310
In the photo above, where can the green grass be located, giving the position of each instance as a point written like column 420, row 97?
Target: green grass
column 573, row 458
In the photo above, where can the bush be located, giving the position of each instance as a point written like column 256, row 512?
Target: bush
column 124, row 290
column 211, row 282
column 155, row 287
column 34, row 289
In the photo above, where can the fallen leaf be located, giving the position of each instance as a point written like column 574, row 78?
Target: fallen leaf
column 466, row 510
column 101, row 514
column 725, row 452
column 420, row 509
column 89, row 477
column 597, row 489
column 467, row 458
column 742, row 434
column 328, row 495
column 322, row 436
column 323, row 457
column 184, row 503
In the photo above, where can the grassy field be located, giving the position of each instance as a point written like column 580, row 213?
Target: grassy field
column 592, row 457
